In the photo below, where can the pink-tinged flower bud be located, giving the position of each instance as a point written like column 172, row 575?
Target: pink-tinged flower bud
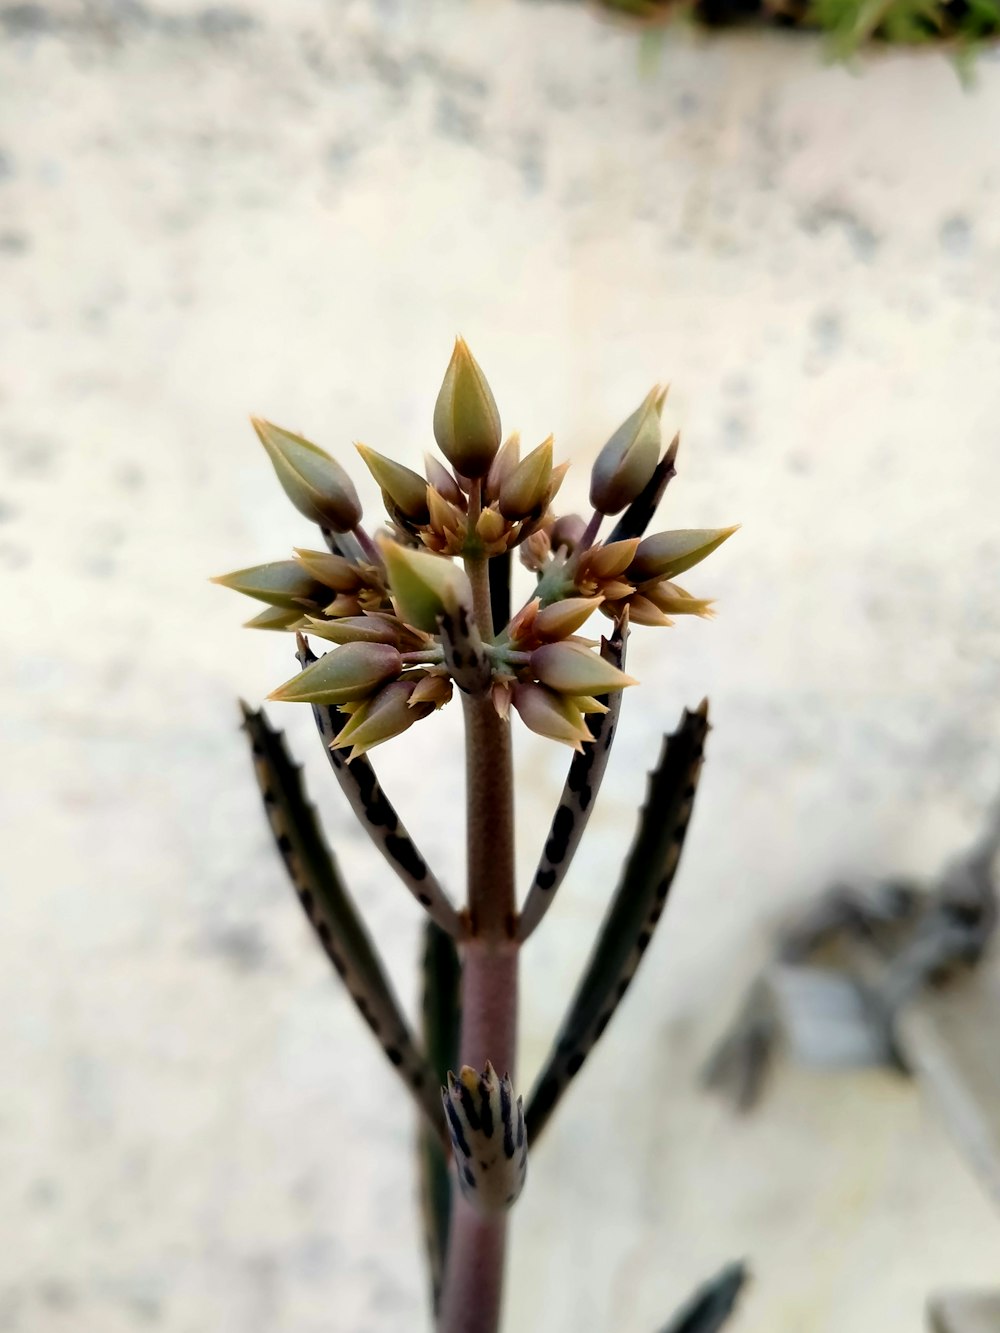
column 466, row 420
column 314, row 482
column 550, row 714
column 332, row 570
column 563, row 618
column 389, row 714
column 567, row 531
column 664, row 555
column 441, row 479
column 502, row 466
column 527, row 486
column 279, row 583
column 424, row 586
column 405, row 488
column 352, row 671
column 488, row 1137
column 570, row 668
column 629, row 458
column 535, row 551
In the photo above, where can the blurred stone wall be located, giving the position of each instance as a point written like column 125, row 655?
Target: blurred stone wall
column 291, row 209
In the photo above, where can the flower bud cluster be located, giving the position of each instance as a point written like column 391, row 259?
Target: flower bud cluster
column 399, row 610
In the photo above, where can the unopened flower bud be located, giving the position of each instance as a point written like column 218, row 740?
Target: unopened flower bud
column 527, row 486
column 611, row 559
column 466, row 419
column 424, row 586
column 314, row 482
column 587, row 704
column 642, row 611
column 628, row 460
column 535, row 551
column 561, row 619
column 441, row 479
column 275, row 617
column 491, row 526
column 404, row 487
column 488, row 1137
column 550, row 714
column 571, row 668
column 279, row 583
column 522, row 625
column 674, row 601
column 357, row 629
column 435, row 689
column 389, row 714
column 664, row 555
column 332, row 570
column 352, row 671
column 567, row 531
column 502, row 466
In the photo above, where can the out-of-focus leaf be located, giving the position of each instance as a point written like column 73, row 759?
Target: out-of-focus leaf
column 635, row 909
column 442, row 974
column 332, row 914
column 709, row 1308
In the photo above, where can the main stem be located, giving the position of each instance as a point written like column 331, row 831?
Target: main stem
column 473, row 1279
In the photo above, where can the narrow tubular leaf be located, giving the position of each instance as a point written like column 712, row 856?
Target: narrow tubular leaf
column 375, row 812
column 638, row 516
column 442, row 973
column 579, row 794
column 332, row 913
column 632, row 915
column 709, row 1308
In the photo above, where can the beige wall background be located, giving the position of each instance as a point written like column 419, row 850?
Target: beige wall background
column 291, row 209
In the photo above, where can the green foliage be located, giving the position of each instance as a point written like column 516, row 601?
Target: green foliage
column 850, row 23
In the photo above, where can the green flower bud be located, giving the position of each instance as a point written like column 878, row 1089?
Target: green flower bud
column 279, row 583
column 332, row 570
column 527, row 486
column 466, row 420
column 550, row 714
column 314, row 482
column 389, row 714
column 352, row 671
column 424, row 586
column 370, row 629
column 275, row 617
column 571, row 668
column 404, row 487
column 629, row 458
column 664, row 555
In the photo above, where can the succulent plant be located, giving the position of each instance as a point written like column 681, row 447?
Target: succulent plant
column 414, row 614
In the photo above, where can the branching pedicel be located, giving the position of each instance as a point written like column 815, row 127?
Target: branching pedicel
column 419, row 609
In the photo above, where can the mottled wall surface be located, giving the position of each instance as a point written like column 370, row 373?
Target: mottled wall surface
column 291, row 209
